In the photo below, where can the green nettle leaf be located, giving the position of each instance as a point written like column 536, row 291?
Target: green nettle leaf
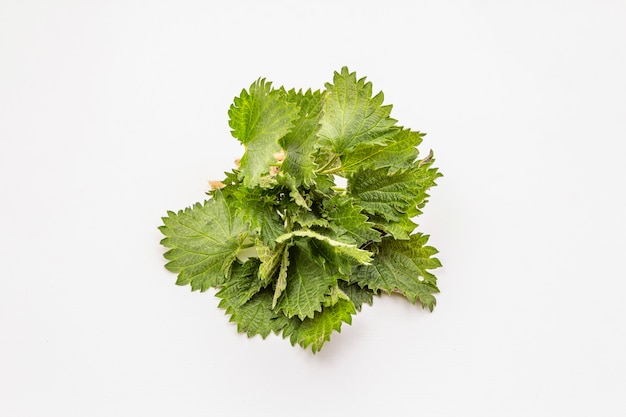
column 427, row 175
column 352, row 116
column 259, row 118
column 347, row 220
column 255, row 316
column 357, row 294
column 390, row 195
column 300, row 143
column 402, row 266
column 400, row 229
column 316, row 331
column 399, row 153
column 290, row 251
column 307, row 284
column 203, row 241
column 281, row 282
column 242, row 284
column 258, row 208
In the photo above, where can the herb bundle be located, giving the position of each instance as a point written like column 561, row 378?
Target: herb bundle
column 316, row 218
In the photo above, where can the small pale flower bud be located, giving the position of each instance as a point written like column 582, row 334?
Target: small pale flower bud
column 279, row 156
column 216, row 185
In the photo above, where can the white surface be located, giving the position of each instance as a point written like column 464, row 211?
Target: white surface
column 113, row 112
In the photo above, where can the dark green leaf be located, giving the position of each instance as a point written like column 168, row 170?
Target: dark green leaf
column 259, row 208
column 402, row 266
column 307, row 285
column 347, row 221
column 256, row 315
column 242, row 284
column 387, row 194
column 317, row 330
column 357, row 294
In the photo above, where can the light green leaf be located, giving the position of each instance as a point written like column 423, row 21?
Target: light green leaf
column 270, row 260
column 316, row 331
column 426, row 176
column 398, row 154
column 334, row 262
column 203, row 242
column 307, row 285
column 362, row 256
column 281, row 281
column 259, row 118
column 334, row 295
column 300, row 143
column 352, row 116
column 400, row 229
column 402, row 266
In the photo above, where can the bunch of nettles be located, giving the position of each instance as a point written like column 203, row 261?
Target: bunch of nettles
column 317, row 216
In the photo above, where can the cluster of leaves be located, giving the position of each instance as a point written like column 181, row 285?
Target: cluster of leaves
column 317, row 217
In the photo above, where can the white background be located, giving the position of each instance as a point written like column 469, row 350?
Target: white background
column 113, row 112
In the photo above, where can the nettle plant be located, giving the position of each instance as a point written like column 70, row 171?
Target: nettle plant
column 316, row 218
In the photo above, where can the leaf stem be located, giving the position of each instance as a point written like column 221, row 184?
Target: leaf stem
column 326, row 168
column 331, row 171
